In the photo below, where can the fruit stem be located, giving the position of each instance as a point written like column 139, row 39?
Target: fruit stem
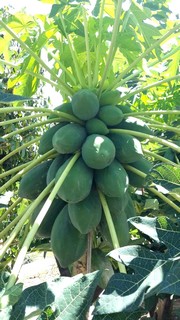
column 37, row 222
column 23, row 146
column 113, row 45
column 156, row 112
column 98, row 49
column 154, row 84
column 9, row 210
column 23, row 118
column 87, row 48
column 111, row 227
column 153, row 190
column 26, row 213
column 64, row 86
column 78, row 70
column 89, row 251
column 116, row 83
column 32, row 164
column 147, row 136
column 158, row 157
column 13, row 170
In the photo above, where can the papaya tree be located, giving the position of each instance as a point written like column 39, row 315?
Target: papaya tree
column 103, row 185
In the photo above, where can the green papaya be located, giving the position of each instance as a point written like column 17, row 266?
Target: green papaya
column 98, row 151
column 96, row 126
column 67, row 243
column 34, row 181
column 134, row 124
column 77, row 184
column 117, row 204
column 69, row 138
column 128, row 148
column 109, row 98
column 113, row 180
column 110, row 115
column 55, row 165
column 86, row 214
column 85, row 104
column 45, row 143
column 120, row 222
column 129, row 208
column 45, row 228
column 101, row 262
column 142, row 165
column 65, row 107
column 124, row 109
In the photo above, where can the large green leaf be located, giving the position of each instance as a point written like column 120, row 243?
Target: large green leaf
column 68, row 296
column 153, row 271
column 9, row 97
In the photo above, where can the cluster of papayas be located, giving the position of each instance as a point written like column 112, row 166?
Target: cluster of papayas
column 101, row 166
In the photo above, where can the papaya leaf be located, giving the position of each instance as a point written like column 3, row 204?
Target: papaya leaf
column 121, row 316
column 9, row 97
column 67, row 296
column 152, row 271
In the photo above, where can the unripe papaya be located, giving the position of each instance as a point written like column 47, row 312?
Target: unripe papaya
column 113, row 180
column 86, row 214
column 55, row 165
column 110, row 115
column 65, row 107
column 98, row 151
column 67, row 243
column 45, row 143
column 96, row 126
column 77, row 184
column 142, row 165
column 85, row 104
column 109, row 98
column 101, row 262
column 128, row 148
column 45, row 228
column 34, row 181
column 69, row 138
column 134, row 124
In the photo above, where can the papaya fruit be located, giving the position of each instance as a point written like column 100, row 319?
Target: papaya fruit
column 129, row 208
column 113, row 180
column 98, row 151
column 134, row 179
column 134, row 124
column 45, row 228
column 67, row 243
column 124, row 109
column 65, row 107
column 101, row 262
column 117, row 204
column 85, row 104
column 96, row 126
column 69, row 138
column 128, row 148
column 110, row 115
column 34, row 181
column 86, row 214
column 45, row 143
column 121, row 225
column 109, row 98
column 55, row 165
column 78, row 182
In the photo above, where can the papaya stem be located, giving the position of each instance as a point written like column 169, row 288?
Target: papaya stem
column 154, row 84
column 153, row 190
column 89, row 251
column 23, row 118
column 9, row 210
column 113, row 46
column 116, row 83
column 73, row 52
column 13, row 170
column 98, row 50
column 46, row 80
column 27, row 212
column 12, row 153
column 158, row 157
column 87, row 48
column 37, row 222
column 64, row 86
column 147, row 136
column 152, row 112
column 111, row 227
column 32, row 164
